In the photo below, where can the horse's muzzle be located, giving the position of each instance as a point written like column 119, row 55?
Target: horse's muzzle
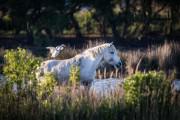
column 119, row 65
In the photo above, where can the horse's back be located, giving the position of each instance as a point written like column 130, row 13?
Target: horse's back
column 50, row 62
column 46, row 66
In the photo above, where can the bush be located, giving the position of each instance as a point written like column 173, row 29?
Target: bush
column 20, row 66
column 140, row 86
column 46, row 86
column 74, row 75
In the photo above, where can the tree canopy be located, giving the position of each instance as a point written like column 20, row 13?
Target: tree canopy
column 120, row 18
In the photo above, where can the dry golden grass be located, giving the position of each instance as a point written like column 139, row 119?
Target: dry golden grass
column 163, row 57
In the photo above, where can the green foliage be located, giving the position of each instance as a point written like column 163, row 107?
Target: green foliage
column 46, row 86
column 84, row 17
column 142, row 85
column 20, row 66
column 7, row 18
column 111, row 14
column 74, row 75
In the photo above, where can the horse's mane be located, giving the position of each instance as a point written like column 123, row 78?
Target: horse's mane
column 98, row 49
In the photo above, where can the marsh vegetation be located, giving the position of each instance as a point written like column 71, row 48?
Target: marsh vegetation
column 147, row 88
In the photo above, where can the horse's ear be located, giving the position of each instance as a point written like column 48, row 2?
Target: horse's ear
column 111, row 43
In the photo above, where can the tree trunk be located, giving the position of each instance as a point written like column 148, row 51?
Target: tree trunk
column 147, row 13
column 76, row 26
column 174, row 17
column 114, row 29
column 29, row 31
column 104, row 32
column 127, row 12
column 102, row 25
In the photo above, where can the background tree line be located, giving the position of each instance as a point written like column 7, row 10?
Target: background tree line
column 117, row 18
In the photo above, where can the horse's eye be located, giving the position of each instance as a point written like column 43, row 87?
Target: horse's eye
column 112, row 52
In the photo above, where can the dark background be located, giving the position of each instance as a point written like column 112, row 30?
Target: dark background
column 127, row 22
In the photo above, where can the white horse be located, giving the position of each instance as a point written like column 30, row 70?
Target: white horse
column 176, row 85
column 88, row 61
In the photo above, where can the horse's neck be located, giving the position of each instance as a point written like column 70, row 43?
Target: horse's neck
column 97, row 60
column 95, row 55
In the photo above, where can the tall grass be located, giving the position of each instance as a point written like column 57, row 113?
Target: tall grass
column 69, row 103
column 155, row 103
column 163, row 57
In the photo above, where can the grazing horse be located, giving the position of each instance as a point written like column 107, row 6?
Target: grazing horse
column 88, row 61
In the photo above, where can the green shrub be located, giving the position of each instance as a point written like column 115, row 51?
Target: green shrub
column 142, row 85
column 20, row 66
column 74, row 75
column 46, row 86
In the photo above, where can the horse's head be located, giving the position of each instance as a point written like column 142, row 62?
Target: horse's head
column 111, row 57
